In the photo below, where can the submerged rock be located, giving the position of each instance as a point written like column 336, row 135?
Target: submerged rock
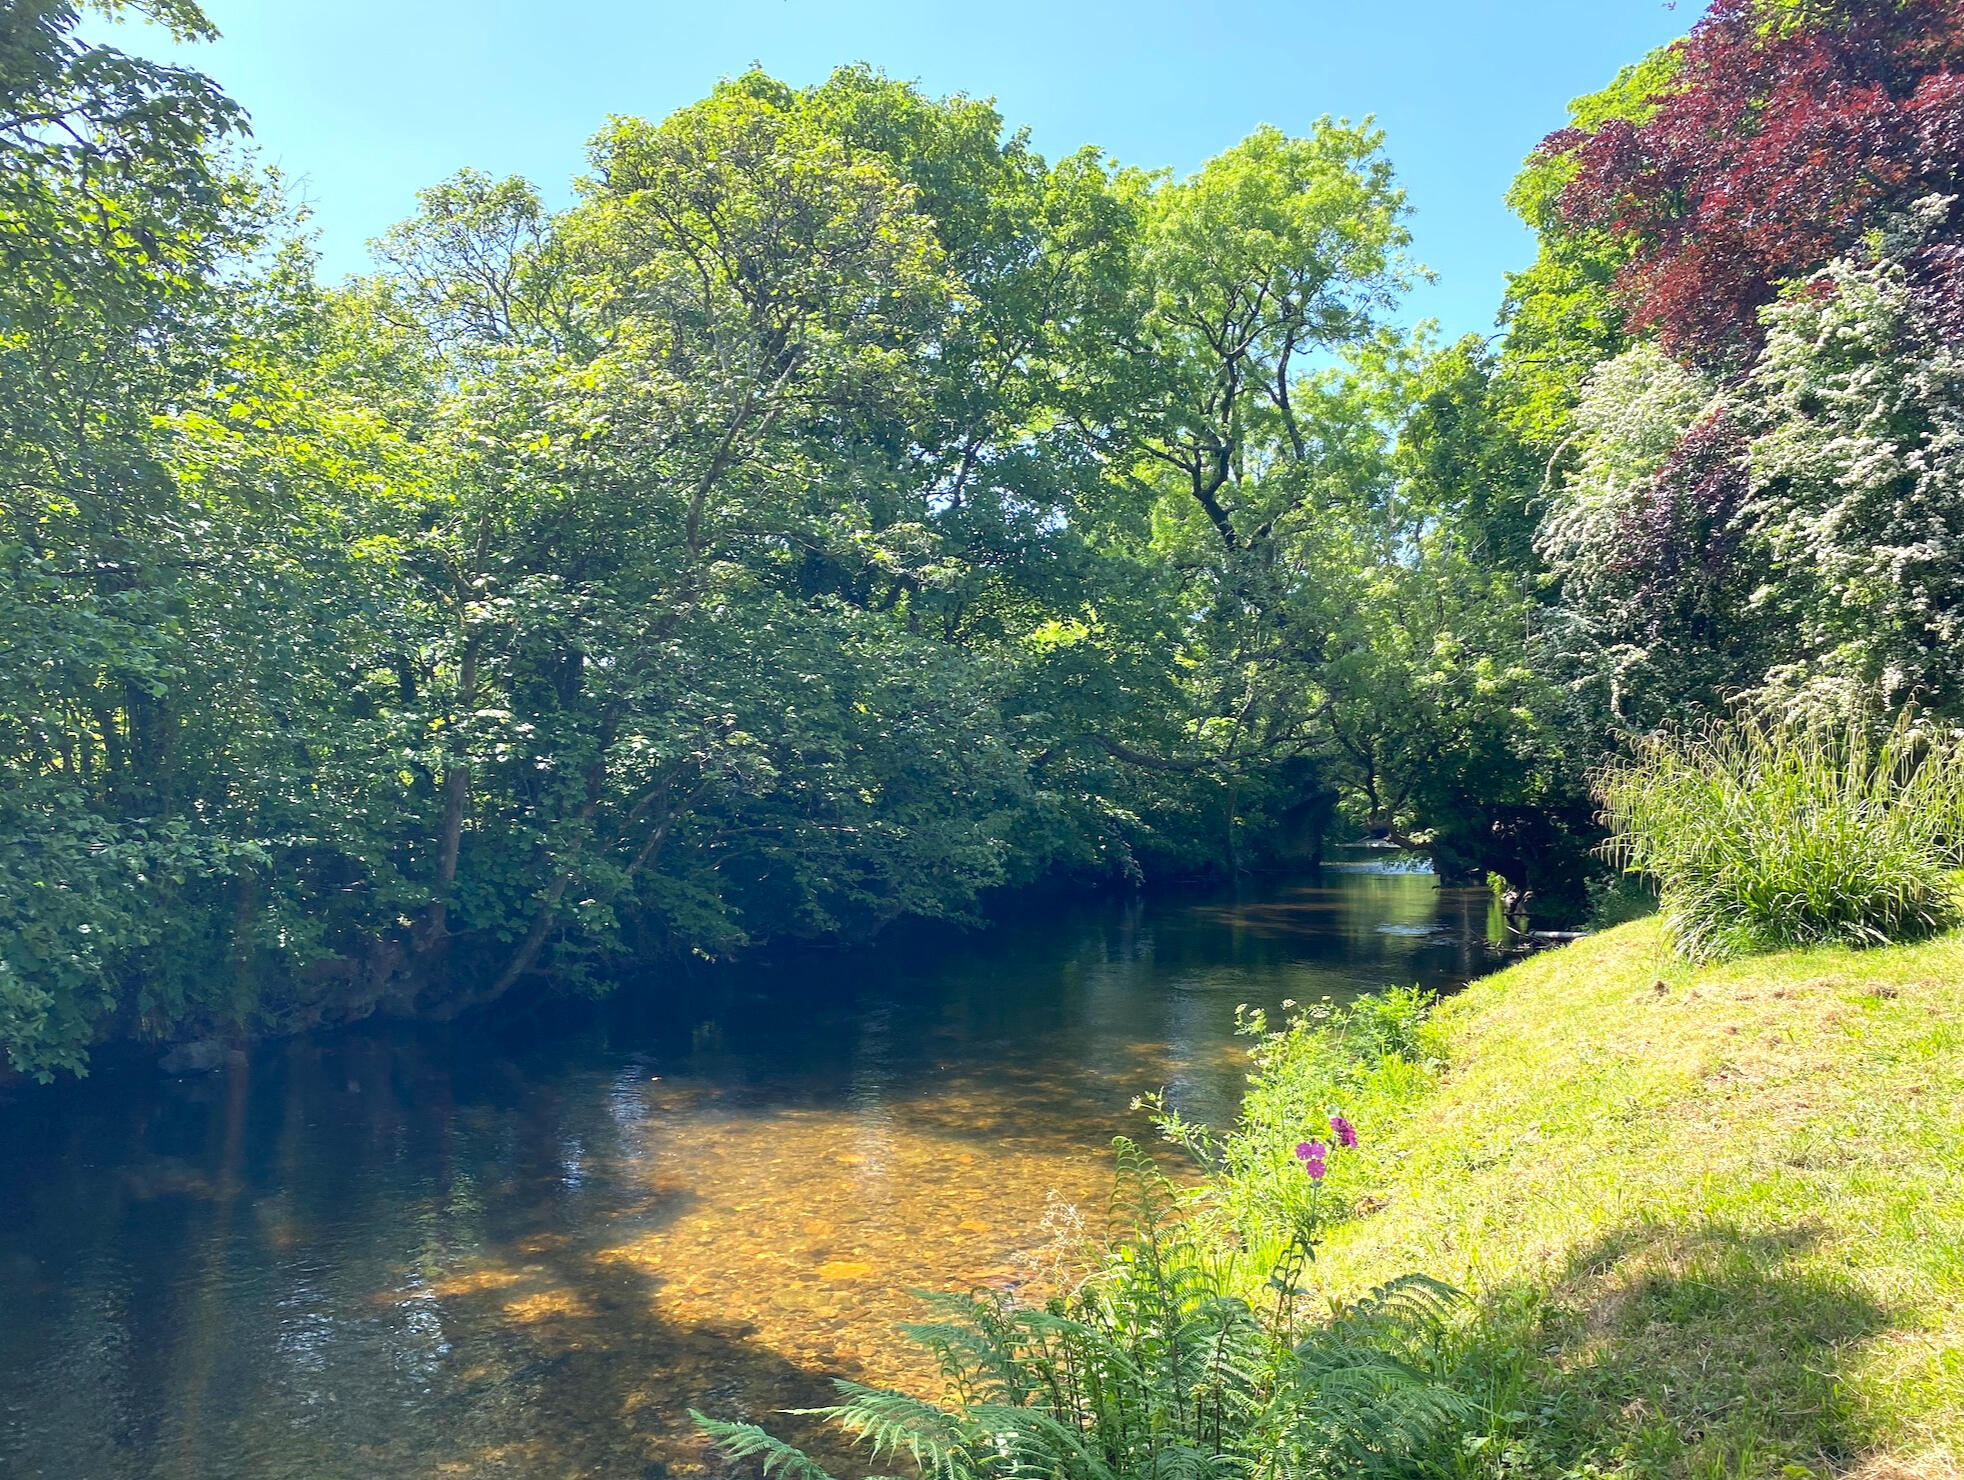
column 199, row 1056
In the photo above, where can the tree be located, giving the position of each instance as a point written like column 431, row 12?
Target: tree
column 1562, row 314
column 1781, row 134
column 1854, row 415
column 1277, row 254
column 115, row 204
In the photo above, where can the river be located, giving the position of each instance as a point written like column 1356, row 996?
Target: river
column 525, row 1248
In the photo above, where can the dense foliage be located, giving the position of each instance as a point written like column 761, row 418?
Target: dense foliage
column 838, row 513
column 1783, row 133
column 1740, row 346
column 1363, row 1060
column 842, row 512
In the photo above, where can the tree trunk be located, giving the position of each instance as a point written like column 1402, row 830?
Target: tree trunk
column 456, row 801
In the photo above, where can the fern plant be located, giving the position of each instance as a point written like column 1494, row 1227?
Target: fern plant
column 1156, row 1367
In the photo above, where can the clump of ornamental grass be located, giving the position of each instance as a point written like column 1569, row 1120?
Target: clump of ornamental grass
column 1764, row 836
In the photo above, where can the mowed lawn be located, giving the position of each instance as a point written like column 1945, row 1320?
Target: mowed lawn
column 1713, row 1218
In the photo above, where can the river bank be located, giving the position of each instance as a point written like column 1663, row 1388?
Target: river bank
column 1712, row 1218
column 1475, row 939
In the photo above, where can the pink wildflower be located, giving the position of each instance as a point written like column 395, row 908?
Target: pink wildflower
column 1346, row 1132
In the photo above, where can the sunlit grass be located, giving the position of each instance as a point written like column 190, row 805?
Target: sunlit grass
column 1712, row 1217
column 1762, row 837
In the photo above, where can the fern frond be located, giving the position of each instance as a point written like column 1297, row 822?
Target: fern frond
column 1413, row 1304
column 1408, row 1316
column 1032, row 1442
column 893, row 1423
column 1143, row 1201
column 978, row 1345
column 1368, row 1405
column 744, row 1441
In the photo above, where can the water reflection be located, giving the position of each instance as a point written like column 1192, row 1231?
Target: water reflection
column 525, row 1250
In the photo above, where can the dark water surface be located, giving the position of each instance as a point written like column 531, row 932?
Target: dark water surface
column 524, row 1249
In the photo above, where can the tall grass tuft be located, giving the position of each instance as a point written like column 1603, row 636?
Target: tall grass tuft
column 1765, row 837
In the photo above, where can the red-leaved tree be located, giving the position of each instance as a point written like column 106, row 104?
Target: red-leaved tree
column 1789, row 130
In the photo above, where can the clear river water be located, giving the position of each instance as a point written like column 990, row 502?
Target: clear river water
column 526, row 1247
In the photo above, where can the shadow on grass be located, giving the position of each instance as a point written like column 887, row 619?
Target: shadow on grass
column 1702, row 1352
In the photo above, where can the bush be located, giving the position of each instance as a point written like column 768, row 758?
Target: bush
column 1161, row 1363
column 1767, row 836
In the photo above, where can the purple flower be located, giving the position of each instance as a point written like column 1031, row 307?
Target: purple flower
column 1311, row 1154
column 1346, row 1132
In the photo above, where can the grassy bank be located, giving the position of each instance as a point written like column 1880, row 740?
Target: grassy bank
column 1713, row 1218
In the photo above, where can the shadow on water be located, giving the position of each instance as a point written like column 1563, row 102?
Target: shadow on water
column 526, row 1248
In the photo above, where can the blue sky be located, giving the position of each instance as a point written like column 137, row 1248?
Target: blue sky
column 364, row 101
